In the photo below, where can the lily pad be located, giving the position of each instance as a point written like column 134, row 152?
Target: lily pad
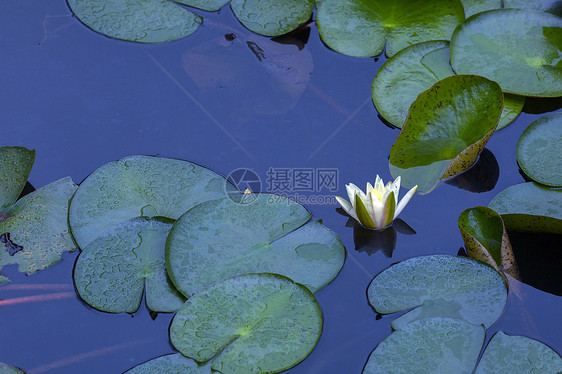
column 551, row 6
column 478, row 6
column 435, row 345
column 486, row 240
column 519, row 49
column 220, row 239
column 112, row 271
column 143, row 21
column 446, row 129
column 538, row 150
column 518, row 354
column 262, row 323
column 171, row 364
column 530, row 207
column 415, row 69
column 7, row 369
column 363, row 28
column 439, row 285
column 140, row 186
column 15, row 166
column 34, row 231
column 209, row 5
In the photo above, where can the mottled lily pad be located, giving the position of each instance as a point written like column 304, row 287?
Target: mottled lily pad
column 139, row 186
column 262, row 323
column 363, row 28
column 112, row 271
column 551, row 6
column 143, row 21
column 518, row 354
column 222, row 238
column 439, row 285
column 435, row 345
column 538, row 150
column 34, row 230
column 478, row 6
column 15, row 166
column 486, row 240
column 209, row 5
column 519, row 49
column 530, row 207
column 446, row 129
column 415, row 69
column 171, row 364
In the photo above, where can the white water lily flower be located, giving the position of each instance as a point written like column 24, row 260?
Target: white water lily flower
column 378, row 206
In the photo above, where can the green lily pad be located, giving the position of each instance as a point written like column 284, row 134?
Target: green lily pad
column 538, row 150
column 139, row 186
column 530, row 207
column 542, row 5
column 363, row 28
column 220, row 239
column 262, row 323
column 15, row 166
column 7, row 369
column 486, row 240
column 439, row 285
column 518, row 354
column 435, row 345
column 171, row 364
column 34, row 231
column 415, row 69
column 478, row 6
column 112, row 271
column 519, row 49
column 447, row 127
column 143, row 21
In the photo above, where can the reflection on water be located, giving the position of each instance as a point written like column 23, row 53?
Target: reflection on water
column 384, row 240
column 480, row 177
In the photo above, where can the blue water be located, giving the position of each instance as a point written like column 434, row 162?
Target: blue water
column 81, row 100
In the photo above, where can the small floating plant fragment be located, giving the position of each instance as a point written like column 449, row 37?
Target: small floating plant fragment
column 378, row 206
column 175, row 363
column 143, row 21
column 538, row 150
column 518, row 354
column 519, row 49
column 140, row 186
column 112, row 271
column 415, row 69
column 530, row 207
column 433, row 345
column 251, row 323
column 439, row 286
column 446, row 129
column 222, row 238
column 363, row 28
column 486, row 240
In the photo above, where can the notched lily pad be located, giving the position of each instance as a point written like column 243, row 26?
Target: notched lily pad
column 446, row 129
column 252, row 323
column 140, row 186
column 170, row 364
column 519, row 49
column 15, row 166
column 486, row 240
column 222, row 238
column 113, row 270
column 439, row 285
column 415, row 69
column 518, row 354
column 363, row 28
column 530, row 207
column 34, row 231
column 434, row 345
column 143, row 21
column 538, row 150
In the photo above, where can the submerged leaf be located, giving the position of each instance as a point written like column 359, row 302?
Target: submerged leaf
column 439, row 285
column 252, row 323
column 486, row 240
column 220, row 239
column 112, row 271
column 530, row 207
column 171, row 364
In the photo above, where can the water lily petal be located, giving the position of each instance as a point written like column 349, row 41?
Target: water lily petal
column 377, row 208
column 351, row 192
column 347, row 207
column 362, row 214
column 379, row 186
column 389, row 208
column 405, row 200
